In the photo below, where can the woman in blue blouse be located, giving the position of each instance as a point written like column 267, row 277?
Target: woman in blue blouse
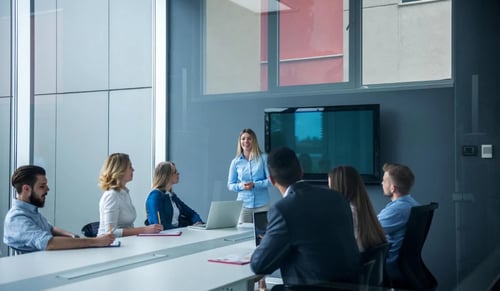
column 163, row 206
column 249, row 176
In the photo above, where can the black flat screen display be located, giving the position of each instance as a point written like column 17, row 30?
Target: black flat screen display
column 328, row 136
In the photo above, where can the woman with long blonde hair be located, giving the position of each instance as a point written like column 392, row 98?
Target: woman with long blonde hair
column 116, row 211
column 163, row 205
column 248, row 175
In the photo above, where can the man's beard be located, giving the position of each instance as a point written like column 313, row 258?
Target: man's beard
column 37, row 201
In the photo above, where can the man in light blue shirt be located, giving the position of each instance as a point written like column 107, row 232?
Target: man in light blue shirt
column 397, row 183
column 27, row 230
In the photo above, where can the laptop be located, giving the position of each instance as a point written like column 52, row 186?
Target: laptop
column 259, row 226
column 222, row 214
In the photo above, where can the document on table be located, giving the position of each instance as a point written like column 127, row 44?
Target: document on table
column 115, row 243
column 235, row 259
column 168, row 232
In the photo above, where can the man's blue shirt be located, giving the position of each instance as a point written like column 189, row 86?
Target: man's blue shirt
column 25, row 228
column 393, row 219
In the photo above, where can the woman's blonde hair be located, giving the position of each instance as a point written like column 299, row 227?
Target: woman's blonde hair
column 256, row 152
column 162, row 175
column 347, row 181
column 113, row 170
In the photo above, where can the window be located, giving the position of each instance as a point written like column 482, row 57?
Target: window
column 311, row 43
column 240, row 50
column 269, row 45
column 406, row 43
column 235, row 46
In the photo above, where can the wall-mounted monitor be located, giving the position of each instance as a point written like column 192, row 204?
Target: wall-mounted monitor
column 328, row 136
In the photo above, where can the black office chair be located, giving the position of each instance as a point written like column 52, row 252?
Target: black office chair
column 16, row 252
column 495, row 285
column 378, row 254
column 90, row 229
column 363, row 283
column 414, row 273
column 330, row 287
column 305, row 288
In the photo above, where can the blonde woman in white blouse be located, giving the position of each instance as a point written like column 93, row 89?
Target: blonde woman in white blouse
column 116, row 211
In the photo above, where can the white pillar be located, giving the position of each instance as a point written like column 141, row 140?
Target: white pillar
column 160, row 81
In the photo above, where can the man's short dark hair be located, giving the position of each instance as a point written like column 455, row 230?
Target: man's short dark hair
column 284, row 166
column 26, row 175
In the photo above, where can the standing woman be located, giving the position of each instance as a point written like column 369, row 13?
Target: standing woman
column 163, row 206
column 367, row 229
column 249, row 176
column 116, row 212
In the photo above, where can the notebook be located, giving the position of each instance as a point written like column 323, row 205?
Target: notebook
column 234, row 259
column 259, row 226
column 222, row 214
column 168, row 232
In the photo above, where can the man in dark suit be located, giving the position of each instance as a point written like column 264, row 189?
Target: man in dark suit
column 310, row 233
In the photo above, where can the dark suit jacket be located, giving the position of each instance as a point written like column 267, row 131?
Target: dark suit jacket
column 310, row 238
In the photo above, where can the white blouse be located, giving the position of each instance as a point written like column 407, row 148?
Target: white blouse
column 116, row 212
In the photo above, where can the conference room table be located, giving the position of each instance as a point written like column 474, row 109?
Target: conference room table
column 140, row 263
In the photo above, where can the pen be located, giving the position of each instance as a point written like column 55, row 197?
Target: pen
column 159, row 220
column 110, row 229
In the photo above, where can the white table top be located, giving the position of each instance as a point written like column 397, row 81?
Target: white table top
column 191, row 272
column 132, row 250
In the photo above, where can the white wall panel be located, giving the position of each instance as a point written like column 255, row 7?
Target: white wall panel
column 81, row 147
column 130, row 132
column 4, row 164
column 45, row 46
column 130, row 44
column 5, row 43
column 82, row 45
column 44, row 146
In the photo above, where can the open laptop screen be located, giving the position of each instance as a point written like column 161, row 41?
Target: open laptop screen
column 259, row 225
column 222, row 214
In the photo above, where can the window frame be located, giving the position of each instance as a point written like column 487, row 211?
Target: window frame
column 353, row 85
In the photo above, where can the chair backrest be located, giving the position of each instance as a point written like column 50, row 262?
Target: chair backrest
column 90, row 229
column 413, row 270
column 378, row 255
column 16, row 252
column 366, row 274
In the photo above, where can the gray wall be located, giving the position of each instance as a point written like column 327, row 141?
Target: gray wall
column 423, row 128
column 93, row 97
column 477, row 103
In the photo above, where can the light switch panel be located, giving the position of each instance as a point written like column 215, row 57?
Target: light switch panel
column 486, row 151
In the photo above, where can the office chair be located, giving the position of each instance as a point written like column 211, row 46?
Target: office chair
column 365, row 278
column 90, row 229
column 16, row 252
column 495, row 285
column 330, row 287
column 378, row 254
column 414, row 273
column 305, row 288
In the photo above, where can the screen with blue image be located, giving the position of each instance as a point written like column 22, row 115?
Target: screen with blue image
column 326, row 137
